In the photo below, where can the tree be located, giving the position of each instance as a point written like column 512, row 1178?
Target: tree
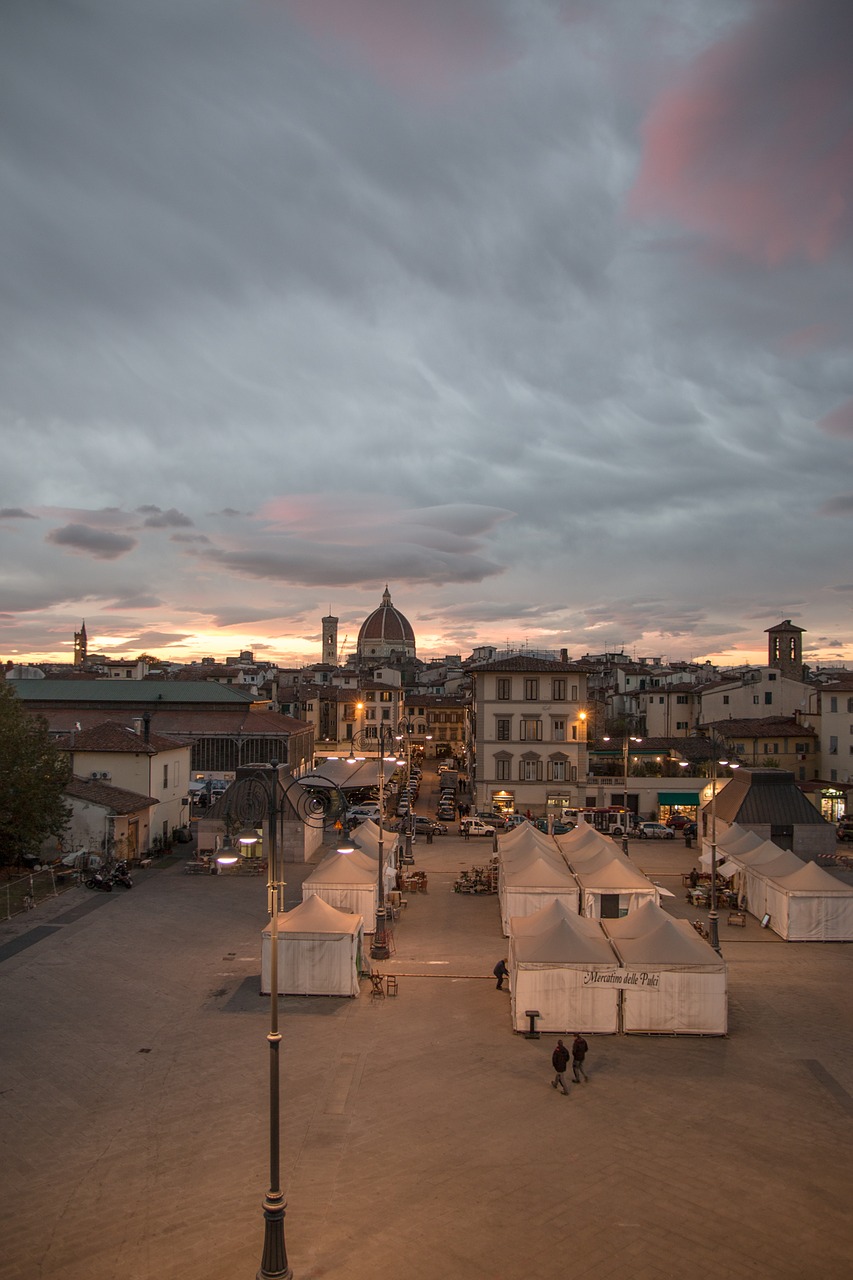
column 33, row 775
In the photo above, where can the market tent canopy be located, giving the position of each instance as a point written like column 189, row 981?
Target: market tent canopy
column 547, row 917
column 675, row 981
column 739, row 840
column 350, row 777
column 526, row 837
column 582, row 842
column 319, row 951
column 612, row 876
column 810, row 905
column 550, row 971
column 346, row 885
column 526, row 884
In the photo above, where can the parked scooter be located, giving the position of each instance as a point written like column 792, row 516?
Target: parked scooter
column 100, row 880
column 121, row 876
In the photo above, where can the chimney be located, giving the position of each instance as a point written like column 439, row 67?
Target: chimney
column 146, row 721
column 564, row 655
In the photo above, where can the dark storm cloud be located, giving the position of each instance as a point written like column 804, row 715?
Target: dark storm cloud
column 375, row 273
column 157, row 519
column 343, row 566
column 94, row 542
column 15, row 513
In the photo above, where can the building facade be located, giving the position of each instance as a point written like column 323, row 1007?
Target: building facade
column 529, row 748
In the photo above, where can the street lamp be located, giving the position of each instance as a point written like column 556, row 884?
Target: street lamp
column 380, row 949
column 626, row 740
column 405, row 729
column 717, row 746
column 248, row 801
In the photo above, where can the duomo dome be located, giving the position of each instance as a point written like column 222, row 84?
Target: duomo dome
column 384, row 632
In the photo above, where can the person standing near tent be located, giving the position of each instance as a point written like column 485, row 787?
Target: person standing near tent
column 579, row 1052
column 559, row 1061
column 501, row 971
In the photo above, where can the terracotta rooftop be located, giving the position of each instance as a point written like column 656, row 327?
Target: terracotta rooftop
column 113, row 736
column 109, row 797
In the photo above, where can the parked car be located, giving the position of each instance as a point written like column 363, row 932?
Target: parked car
column 363, row 812
column 844, row 830
column 654, row 831
column 403, row 809
column 445, row 815
column 498, row 820
column 514, row 820
column 559, row 828
column 424, row 824
column 678, row 821
column 476, row 827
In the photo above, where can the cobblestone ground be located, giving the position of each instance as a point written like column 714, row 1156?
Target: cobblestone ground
column 421, row 1136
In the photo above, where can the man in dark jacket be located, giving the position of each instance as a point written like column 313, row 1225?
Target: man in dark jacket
column 501, row 971
column 579, row 1050
column 559, row 1061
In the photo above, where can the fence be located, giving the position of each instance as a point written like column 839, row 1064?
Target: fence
column 28, row 891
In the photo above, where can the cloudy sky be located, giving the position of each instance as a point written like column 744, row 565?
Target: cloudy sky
column 537, row 310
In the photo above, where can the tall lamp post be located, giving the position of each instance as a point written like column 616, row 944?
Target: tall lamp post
column 626, row 742
column 248, row 802
column 717, row 747
column 380, row 949
column 405, row 729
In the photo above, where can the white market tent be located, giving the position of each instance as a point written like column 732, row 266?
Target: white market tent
column 528, row 884
column 346, row 885
column 610, row 884
column 526, row 838
column 583, row 842
column 562, row 971
column 367, row 846
column 674, row 981
column 319, row 951
column 810, row 905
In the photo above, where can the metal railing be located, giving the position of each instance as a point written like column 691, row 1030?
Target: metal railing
column 25, row 893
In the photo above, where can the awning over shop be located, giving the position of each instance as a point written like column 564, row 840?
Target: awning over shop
column 678, row 797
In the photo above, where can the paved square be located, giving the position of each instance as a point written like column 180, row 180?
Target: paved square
column 421, row 1136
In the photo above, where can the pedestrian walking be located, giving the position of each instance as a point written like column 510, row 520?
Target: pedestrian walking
column 579, row 1052
column 501, row 971
column 559, row 1061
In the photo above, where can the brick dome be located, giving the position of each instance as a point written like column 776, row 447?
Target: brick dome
column 385, row 631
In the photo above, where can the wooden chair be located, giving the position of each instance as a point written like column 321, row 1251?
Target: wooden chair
column 377, row 990
column 391, row 984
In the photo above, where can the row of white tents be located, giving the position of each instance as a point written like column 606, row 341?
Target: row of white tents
column 590, row 948
column 584, row 870
column 799, row 901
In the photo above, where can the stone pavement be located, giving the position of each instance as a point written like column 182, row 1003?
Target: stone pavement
column 421, row 1136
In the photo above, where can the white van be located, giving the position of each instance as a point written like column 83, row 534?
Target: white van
column 363, row 813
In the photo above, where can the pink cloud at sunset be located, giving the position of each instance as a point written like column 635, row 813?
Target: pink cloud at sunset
column 754, row 147
column 839, row 422
column 410, row 45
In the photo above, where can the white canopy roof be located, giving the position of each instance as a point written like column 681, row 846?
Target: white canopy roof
column 315, row 916
column 673, row 944
column 613, row 874
column 810, row 878
column 538, row 873
column 545, row 919
column 564, row 943
column 341, row 869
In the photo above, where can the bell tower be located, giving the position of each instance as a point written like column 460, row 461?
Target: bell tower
column 80, row 646
column 785, row 649
column 330, row 641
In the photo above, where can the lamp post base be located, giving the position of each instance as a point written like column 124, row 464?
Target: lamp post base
column 379, row 949
column 713, row 931
column 274, row 1261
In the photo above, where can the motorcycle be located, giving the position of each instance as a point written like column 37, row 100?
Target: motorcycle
column 121, row 876
column 100, row 880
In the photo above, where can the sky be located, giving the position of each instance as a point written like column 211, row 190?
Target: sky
column 538, row 311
